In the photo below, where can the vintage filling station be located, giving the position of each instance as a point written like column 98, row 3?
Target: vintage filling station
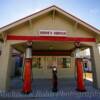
column 48, row 37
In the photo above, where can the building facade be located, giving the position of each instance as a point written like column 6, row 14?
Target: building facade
column 53, row 33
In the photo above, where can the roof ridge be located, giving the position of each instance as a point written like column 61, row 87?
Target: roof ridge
column 50, row 7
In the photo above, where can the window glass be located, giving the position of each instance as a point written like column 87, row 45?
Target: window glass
column 66, row 62
column 36, row 62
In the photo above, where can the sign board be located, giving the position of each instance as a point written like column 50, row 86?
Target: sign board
column 52, row 33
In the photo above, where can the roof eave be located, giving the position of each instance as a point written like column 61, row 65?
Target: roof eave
column 23, row 20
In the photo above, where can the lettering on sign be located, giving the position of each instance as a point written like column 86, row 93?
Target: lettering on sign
column 52, row 33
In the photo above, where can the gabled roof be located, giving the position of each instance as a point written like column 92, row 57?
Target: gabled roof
column 2, row 29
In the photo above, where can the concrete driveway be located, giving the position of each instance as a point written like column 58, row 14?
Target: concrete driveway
column 42, row 90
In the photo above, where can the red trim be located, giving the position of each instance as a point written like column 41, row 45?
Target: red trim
column 51, row 53
column 50, row 38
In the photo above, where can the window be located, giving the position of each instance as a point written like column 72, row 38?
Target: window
column 66, row 62
column 36, row 62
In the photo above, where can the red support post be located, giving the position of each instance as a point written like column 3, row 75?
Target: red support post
column 27, row 82
column 80, row 80
column 27, row 88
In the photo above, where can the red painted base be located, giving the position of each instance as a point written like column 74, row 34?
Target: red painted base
column 27, row 82
column 80, row 80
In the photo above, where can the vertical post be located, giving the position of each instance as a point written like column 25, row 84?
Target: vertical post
column 5, row 66
column 95, row 57
column 27, row 81
column 79, row 65
column 80, row 80
column 55, row 79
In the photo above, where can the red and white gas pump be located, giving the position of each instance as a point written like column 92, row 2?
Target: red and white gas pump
column 27, row 78
column 79, row 66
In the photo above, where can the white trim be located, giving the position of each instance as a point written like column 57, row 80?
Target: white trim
column 52, row 33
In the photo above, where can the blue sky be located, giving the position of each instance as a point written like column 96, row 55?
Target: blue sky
column 87, row 10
